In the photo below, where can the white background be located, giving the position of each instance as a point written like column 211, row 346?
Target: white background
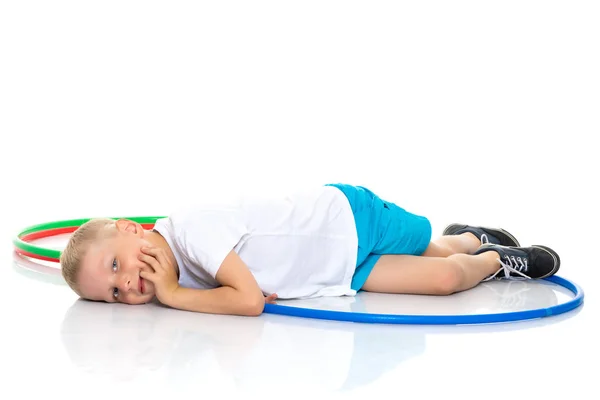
column 463, row 111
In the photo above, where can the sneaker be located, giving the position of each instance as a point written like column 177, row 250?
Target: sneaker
column 533, row 262
column 486, row 235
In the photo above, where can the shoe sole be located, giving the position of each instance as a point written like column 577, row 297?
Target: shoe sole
column 495, row 231
column 554, row 255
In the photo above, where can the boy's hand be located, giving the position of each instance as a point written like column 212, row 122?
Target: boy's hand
column 271, row 298
column 163, row 276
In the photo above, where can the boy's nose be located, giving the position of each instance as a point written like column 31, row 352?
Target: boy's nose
column 125, row 283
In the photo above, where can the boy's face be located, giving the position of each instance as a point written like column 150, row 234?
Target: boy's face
column 110, row 270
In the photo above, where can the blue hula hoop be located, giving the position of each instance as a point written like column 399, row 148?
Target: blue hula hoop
column 436, row 319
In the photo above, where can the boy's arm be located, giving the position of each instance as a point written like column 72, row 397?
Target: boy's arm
column 239, row 293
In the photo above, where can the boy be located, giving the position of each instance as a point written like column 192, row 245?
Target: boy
column 333, row 240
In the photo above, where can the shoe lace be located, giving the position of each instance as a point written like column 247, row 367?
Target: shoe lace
column 512, row 264
column 484, row 239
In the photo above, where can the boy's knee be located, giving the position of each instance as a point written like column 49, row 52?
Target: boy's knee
column 437, row 250
column 449, row 280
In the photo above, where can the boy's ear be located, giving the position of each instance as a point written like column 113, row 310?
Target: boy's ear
column 126, row 225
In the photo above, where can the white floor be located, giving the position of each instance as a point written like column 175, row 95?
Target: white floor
column 460, row 111
column 54, row 340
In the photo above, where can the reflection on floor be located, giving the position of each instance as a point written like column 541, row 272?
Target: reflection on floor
column 133, row 344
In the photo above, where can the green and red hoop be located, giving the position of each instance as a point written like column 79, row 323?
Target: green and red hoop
column 23, row 240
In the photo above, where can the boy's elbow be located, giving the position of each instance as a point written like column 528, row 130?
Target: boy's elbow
column 254, row 306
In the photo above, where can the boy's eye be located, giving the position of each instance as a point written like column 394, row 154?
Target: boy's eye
column 115, row 290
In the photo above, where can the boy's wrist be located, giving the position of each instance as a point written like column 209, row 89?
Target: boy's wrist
column 172, row 297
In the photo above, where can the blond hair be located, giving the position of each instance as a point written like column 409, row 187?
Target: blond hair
column 77, row 247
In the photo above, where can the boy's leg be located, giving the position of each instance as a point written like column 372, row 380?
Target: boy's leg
column 444, row 246
column 410, row 274
column 436, row 275
column 466, row 239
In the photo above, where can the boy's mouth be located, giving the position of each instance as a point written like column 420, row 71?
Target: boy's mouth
column 141, row 284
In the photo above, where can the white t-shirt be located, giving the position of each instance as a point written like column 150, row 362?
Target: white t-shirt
column 299, row 246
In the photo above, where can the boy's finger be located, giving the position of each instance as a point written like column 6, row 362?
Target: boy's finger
column 159, row 256
column 162, row 257
column 151, row 261
column 147, row 275
column 148, row 250
column 271, row 298
column 157, row 253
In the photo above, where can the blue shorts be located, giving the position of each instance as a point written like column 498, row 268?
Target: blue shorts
column 382, row 228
